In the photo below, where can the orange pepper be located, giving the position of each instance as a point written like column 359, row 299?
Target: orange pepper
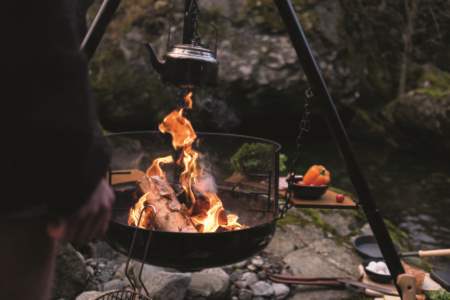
column 316, row 175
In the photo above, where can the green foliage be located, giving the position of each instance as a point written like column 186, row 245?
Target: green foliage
column 256, row 158
column 252, row 158
column 283, row 161
column 438, row 295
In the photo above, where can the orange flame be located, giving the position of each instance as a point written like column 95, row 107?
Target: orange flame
column 135, row 213
column 209, row 212
column 155, row 168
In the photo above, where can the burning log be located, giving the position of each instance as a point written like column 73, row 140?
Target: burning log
column 162, row 211
column 159, row 206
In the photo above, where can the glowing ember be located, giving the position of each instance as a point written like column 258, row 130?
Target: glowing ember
column 206, row 210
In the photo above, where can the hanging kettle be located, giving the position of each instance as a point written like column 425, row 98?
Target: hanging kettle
column 186, row 65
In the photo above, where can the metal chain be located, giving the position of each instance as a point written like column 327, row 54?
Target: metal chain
column 194, row 10
column 304, row 127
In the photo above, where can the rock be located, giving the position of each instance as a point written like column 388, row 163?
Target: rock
column 115, row 284
column 281, row 291
column 366, row 230
column 367, row 126
column 236, row 275
column 421, row 118
column 90, row 270
column 91, row 295
column 245, row 294
column 282, row 243
column 262, row 275
column 257, row 261
column 70, row 273
column 163, row 285
column 240, row 284
column 252, row 267
column 262, row 288
column 240, row 265
column 323, row 258
column 210, row 283
column 248, row 279
column 339, row 222
column 309, row 293
column 91, row 262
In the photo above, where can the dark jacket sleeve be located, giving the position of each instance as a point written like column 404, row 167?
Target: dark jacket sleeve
column 54, row 159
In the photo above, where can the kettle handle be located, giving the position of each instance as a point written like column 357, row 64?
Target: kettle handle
column 157, row 64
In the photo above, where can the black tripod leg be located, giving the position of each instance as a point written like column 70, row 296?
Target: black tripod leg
column 336, row 127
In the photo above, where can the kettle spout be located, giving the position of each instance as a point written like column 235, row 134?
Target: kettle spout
column 156, row 63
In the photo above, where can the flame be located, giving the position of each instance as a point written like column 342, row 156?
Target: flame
column 155, row 168
column 206, row 209
column 139, row 207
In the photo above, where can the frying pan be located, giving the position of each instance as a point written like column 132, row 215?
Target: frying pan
column 367, row 247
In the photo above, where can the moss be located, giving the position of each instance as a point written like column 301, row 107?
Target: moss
column 434, row 83
column 399, row 237
column 292, row 219
column 264, row 14
column 438, row 295
column 434, row 92
column 437, row 78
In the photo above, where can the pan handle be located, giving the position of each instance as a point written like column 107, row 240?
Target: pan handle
column 437, row 252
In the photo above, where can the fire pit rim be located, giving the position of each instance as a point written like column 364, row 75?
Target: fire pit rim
column 201, row 133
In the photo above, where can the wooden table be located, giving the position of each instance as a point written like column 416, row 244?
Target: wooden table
column 328, row 200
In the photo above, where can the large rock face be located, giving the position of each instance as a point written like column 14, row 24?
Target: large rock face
column 359, row 47
column 421, row 118
column 259, row 71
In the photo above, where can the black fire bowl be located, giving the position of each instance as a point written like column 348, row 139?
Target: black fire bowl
column 189, row 252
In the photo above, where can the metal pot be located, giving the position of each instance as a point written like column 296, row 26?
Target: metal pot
column 186, row 65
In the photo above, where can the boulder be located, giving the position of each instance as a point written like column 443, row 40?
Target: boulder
column 212, row 284
column 163, row 284
column 68, row 284
column 281, row 291
column 262, row 288
column 421, row 118
column 90, row 295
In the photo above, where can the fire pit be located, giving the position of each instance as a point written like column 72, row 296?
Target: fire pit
column 246, row 185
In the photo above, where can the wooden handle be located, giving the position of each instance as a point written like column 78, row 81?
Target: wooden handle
column 407, row 284
column 438, row 252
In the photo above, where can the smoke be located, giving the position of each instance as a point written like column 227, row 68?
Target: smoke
column 223, row 116
column 206, row 184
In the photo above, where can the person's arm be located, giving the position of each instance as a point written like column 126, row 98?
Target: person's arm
column 52, row 159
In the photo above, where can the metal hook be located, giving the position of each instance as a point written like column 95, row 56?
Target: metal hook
column 132, row 281
column 147, row 245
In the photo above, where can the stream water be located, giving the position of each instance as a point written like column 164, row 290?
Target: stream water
column 412, row 190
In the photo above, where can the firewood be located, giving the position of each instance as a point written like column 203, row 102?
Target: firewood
column 170, row 214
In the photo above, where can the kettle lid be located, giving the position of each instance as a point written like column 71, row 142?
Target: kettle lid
column 195, row 52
